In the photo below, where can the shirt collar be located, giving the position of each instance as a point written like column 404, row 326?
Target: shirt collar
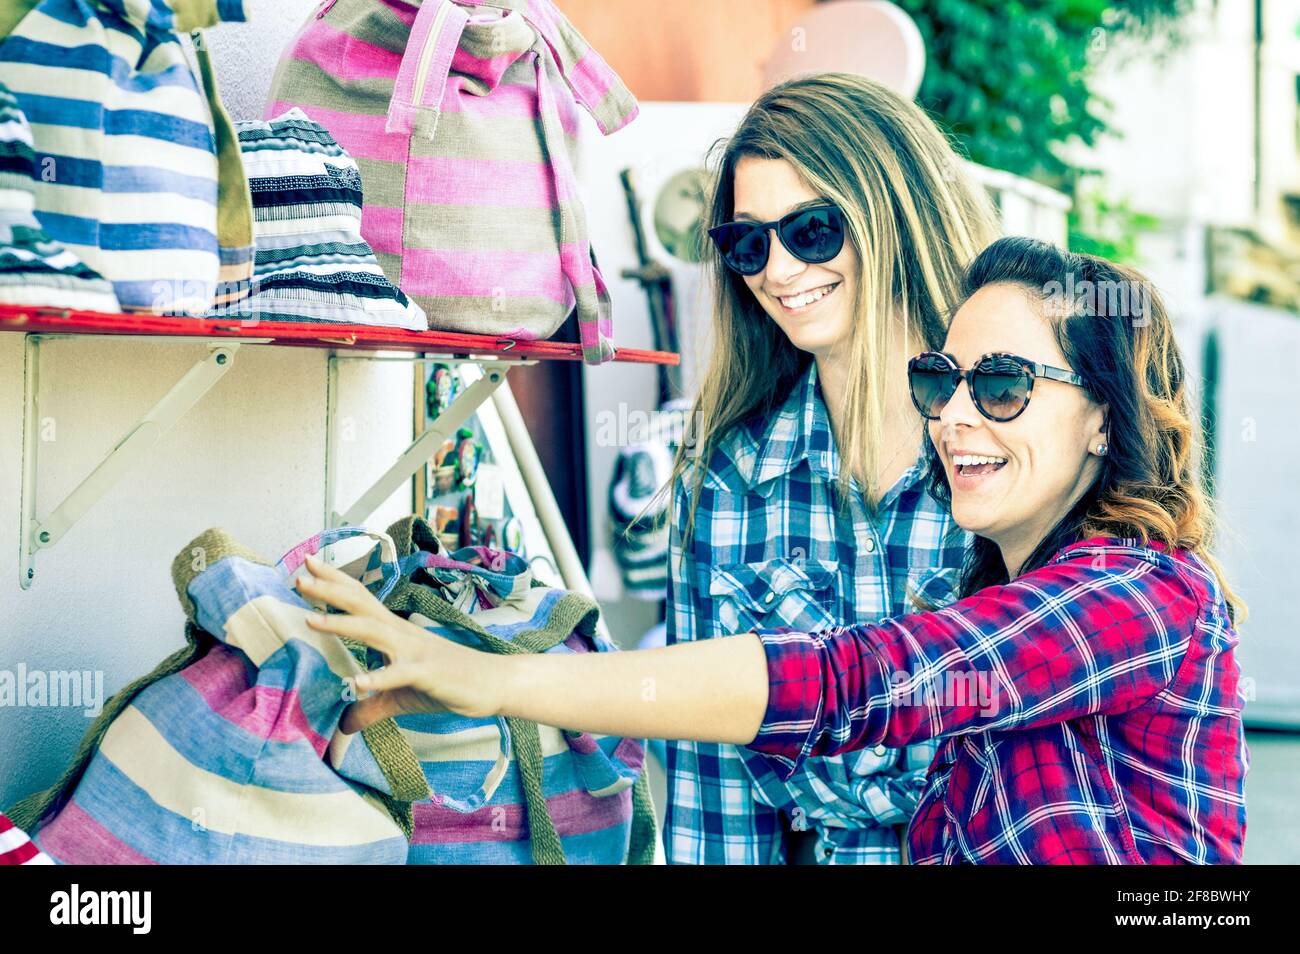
column 801, row 430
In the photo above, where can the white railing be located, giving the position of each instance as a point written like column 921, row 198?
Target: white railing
column 1026, row 207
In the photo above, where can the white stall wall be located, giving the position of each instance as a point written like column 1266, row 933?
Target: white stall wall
column 250, row 457
column 1258, row 473
column 665, row 139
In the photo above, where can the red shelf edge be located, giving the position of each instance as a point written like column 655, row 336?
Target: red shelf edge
column 48, row 320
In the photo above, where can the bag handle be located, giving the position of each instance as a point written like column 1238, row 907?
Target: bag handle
column 411, row 599
column 235, row 240
column 426, row 64
column 389, row 569
column 592, row 81
column 602, row 93
column 524, row 737
column 577, row 261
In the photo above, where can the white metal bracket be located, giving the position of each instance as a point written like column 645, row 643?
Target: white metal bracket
column 37, row 534
column 421, row 449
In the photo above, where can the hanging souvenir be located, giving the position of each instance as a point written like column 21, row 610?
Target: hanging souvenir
column 441, row 389
column 467, row 458
column 469, row 530
column 512, row 536
column 444, row 521
column 444, row 468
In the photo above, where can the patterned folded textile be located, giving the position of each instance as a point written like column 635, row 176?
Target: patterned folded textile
column 35, row 269
column 16, row 848
column 312, row 263
column 230, row 752
column 139, row 170
column 550, row 796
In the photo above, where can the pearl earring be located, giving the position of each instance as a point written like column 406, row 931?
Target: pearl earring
column 1102, row 449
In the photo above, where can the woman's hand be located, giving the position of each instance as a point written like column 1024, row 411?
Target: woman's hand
column 423, row 672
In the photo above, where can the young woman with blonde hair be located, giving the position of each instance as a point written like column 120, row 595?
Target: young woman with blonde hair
column 843, row 220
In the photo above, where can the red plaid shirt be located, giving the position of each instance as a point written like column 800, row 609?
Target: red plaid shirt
column 1090, row 711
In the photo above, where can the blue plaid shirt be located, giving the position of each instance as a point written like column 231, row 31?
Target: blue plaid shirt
column 771, row 548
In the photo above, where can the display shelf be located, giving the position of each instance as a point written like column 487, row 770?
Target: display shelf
column 494, row 357
column 55, row 321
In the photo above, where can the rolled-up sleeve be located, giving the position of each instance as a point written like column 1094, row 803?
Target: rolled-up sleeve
column 820, row 692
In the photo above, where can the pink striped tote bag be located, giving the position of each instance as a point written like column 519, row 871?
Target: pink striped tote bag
column 462, row 117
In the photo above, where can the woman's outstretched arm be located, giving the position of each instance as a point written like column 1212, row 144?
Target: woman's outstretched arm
column 712, row 691
column 1102, row 630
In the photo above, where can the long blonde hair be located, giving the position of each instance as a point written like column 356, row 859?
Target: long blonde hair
column 915, row 220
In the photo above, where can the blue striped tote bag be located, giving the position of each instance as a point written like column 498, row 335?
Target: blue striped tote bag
column 505, row 790
column 230, row 751
column 139, row 172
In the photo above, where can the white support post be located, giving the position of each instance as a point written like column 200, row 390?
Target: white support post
column 331, row 444
column 420, row 450
column 38, row 534
column 27, row 491
column 543, row 497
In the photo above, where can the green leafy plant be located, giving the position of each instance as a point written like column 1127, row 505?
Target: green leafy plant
column 1012, row 80
column 1108, row 227
column 1013, row 84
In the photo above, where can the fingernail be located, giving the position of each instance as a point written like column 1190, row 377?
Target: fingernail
column 316, row 619
column 311, row 560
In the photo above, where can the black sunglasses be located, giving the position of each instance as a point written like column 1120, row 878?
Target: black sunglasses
column 813, row 235
column 1000, row 384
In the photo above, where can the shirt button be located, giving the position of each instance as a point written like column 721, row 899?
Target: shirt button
column 870, row 545
column 769, row 598
column 880, row 751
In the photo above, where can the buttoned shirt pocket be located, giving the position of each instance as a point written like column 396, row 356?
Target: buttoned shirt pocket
column 799, row 594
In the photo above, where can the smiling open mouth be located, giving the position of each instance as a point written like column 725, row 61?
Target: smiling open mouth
column 808, row 297
column 974, row 465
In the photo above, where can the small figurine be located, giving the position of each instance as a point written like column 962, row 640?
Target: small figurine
column 468, row 522
column 444, row 521
column 441, row 389
column 512, row 536
column 446, row 450
column 443, row 473
column 467, row 455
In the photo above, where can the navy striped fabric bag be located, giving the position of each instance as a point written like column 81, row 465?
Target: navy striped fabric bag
column 139, row 171
column 311, row 262
column 34, row 269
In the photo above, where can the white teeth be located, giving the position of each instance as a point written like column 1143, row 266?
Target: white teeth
column 970, row 460
column 807, row 298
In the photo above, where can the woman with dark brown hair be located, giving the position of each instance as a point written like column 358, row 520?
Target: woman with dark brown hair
column 1085, row 683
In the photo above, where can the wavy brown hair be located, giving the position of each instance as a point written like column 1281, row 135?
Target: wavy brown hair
column 1113, row 329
